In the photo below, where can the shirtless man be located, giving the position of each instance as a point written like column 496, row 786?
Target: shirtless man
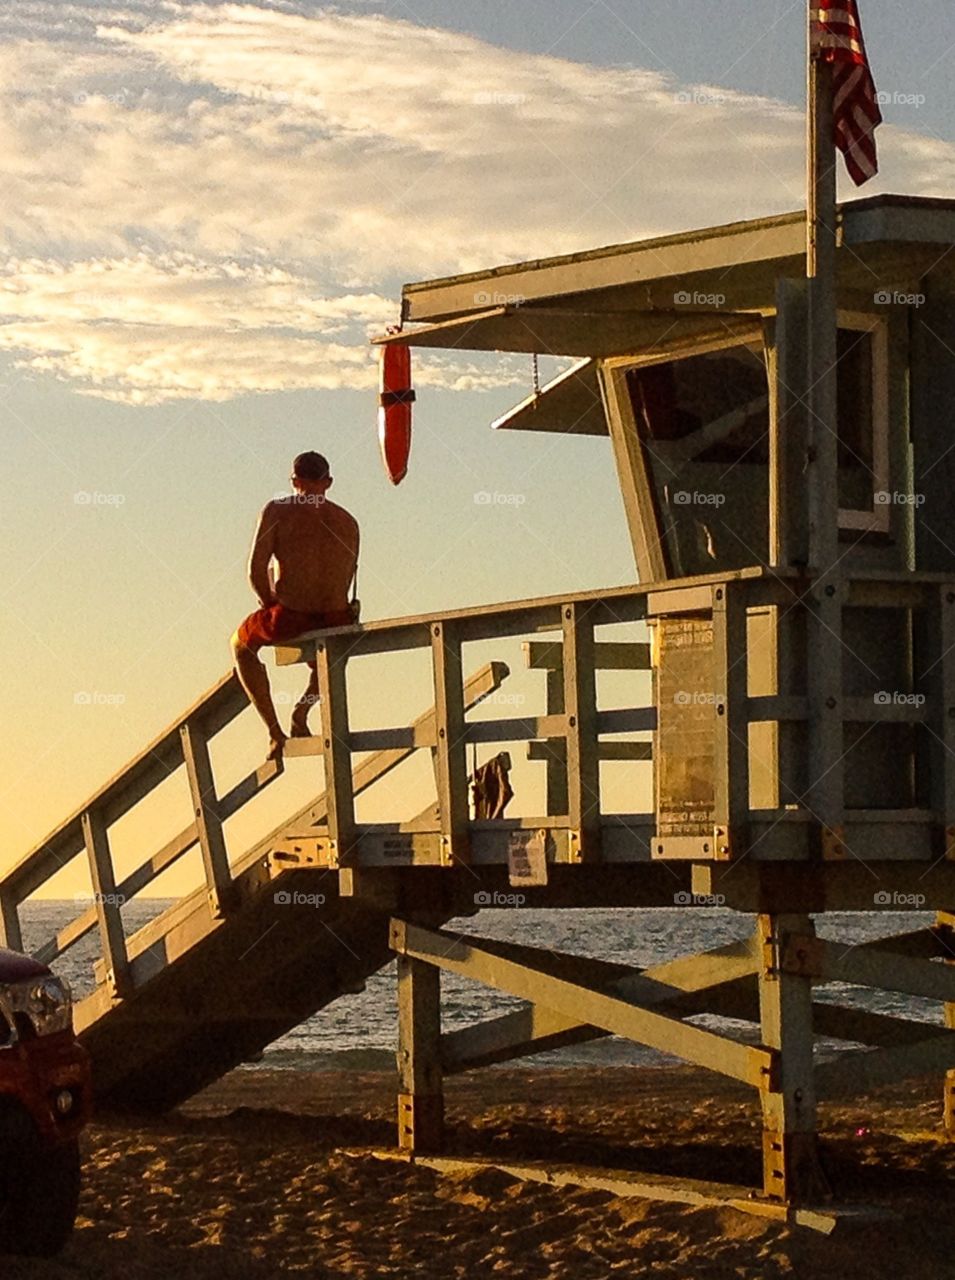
column 314, row 546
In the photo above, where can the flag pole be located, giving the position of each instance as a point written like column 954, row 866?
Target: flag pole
column 821, row 274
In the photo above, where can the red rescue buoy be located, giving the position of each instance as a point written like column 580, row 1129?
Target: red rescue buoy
column 394, row 413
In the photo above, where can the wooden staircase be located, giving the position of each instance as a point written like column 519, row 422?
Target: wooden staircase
column 268, row 940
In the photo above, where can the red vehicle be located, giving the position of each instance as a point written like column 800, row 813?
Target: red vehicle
column 44, row 1103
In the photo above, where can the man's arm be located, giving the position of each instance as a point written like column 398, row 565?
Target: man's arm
column 263, row 549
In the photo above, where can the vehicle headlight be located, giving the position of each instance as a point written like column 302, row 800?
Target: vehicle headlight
column 46, row 1002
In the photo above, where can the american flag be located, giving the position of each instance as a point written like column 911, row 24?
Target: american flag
column 837, row 38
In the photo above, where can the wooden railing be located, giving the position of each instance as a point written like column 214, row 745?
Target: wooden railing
column 569, row 736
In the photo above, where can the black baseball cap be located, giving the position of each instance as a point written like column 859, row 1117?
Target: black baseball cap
column 310, row 466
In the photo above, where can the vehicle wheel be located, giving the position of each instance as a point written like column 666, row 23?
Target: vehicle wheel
column 39, row 1189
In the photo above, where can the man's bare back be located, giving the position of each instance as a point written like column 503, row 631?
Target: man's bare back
column 314, row 544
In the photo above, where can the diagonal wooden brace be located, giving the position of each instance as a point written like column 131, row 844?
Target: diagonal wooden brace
column 459, row 954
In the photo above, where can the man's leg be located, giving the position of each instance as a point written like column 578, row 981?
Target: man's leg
column 255, row 681
column 305, row 704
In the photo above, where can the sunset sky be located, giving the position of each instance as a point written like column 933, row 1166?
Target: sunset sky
column 208, row 208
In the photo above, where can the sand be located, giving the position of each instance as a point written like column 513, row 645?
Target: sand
column 257, row 1177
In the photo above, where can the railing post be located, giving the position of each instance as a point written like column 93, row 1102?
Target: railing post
column 450, row 759
column 420, row 1082
column 107, row 902
column 332, row 656
column 10, row 933
column 205, row 806
column 583, row 751
column 731, row 728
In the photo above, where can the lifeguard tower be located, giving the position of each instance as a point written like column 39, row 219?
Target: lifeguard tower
column 799, row 726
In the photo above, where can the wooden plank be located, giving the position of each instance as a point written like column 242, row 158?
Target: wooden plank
column 730, row 745
column 874, row 967
column 776, row 706
column 332, row 656
column 644, row 1186
column 420, row 1098
column 450, row 762
column 681, row 599
column 845, row 1022
column 713, row 982
column 543, row 613
column 669, row 1035
column 627, row 720
column 609, row 655
column 852, row 1074
column 107, row 902
column 205, row 807
column 515, row 728
column 386, row 739
column 635, row 751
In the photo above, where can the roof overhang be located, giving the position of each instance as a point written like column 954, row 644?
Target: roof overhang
column 567, row 331
column 606, row 301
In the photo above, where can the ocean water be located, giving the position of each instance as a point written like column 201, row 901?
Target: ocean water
column 359, row 1030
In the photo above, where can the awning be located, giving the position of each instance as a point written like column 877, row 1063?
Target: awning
column 570, row 404
column 572, row 332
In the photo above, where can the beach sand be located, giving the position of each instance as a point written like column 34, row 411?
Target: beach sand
column 257, row 1177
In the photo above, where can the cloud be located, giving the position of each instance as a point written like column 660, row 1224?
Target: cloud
column 224, row 184
column 149, row 329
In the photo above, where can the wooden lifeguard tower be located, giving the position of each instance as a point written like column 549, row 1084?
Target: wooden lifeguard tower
column 799, row 727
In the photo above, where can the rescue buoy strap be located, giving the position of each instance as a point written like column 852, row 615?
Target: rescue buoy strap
column 388, row 398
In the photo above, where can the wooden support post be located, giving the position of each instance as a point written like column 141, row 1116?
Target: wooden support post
column 205, row 807
column 107, row 902
column 10, row 932
column 820, row 478
column 332, row 657
column 450, row 759
column 791, row 1170
column 583, row 760
column 420, row 1096
column 945, row 927
column 731, row 746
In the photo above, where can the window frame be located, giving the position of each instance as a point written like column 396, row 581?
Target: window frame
column 643, row 517
column 876, row 519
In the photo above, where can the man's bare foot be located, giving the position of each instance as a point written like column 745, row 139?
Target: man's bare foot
column 277, row 742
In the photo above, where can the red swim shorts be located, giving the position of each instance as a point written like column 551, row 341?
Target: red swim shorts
column 277, row 624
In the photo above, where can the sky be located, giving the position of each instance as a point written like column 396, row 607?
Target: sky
column 206, row 211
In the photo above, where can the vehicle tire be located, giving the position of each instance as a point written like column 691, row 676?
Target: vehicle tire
column 39, row 1188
